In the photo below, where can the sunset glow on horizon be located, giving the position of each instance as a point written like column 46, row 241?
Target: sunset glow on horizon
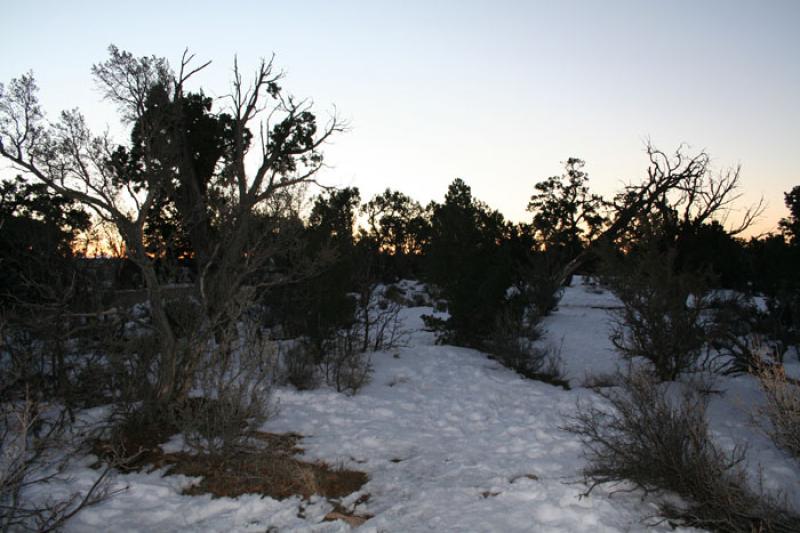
column 498, row 93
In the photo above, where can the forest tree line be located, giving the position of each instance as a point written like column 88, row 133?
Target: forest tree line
column 282, row 287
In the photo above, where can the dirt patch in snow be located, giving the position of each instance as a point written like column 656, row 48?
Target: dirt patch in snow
column 269, row 467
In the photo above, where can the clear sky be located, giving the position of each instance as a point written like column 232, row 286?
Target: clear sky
column 498, row 93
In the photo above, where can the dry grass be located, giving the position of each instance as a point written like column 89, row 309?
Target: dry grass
column 267, row 467
column 782, row 407
column 267, row 473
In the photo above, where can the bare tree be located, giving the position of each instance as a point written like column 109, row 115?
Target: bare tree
column 124, row 186
column 679, row 186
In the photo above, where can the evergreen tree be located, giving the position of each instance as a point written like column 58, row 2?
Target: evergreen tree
column 467, row 260
column 399, row 229
column 37, row 230
column 791, row 224
column 566, row 216
column 319, row 305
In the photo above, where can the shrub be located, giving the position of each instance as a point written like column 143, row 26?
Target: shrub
column 339, row 362
column 542, row 283
column 744, row 336
column 235, row 383
column 300, row 364
column 734, row 326
column 345, row 366
column 662, row 444
column 342, row 358
column 782, row 407
column 783, row 317
column 657, row 322
column 36, row 446
column 513, row 343
column 377, row 320
column 230, row 384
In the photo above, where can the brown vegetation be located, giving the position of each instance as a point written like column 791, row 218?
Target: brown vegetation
column 661, row 444
column 267, row 466
column 782, row 408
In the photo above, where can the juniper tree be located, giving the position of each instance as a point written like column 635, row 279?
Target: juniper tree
column 181, row 153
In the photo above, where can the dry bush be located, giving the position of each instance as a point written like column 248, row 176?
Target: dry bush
column 36, row 445
column 132, row 362
column 342, row 359
column 379, row 325
column 783, row 317
column 344, row 365
column 301, row 366
column 35, row 449
column 657, row 322
column 662, row 444
column 543, row 287
column 782, row 407
column 234, row 384
column 601, row 380
column 230, row 371
column 743, row 336
column 513, row 343
column 60, row 349
column 338, row 362
column 396, row 294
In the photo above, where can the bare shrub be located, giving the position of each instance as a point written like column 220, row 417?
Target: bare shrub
column 300, row 366
column 234, row 386
column 783, row 315
column 345, row 366
column 543, row 284
column 662, row 444
column 662, row 315
column 35, row 449
column 397, row 294
column 52, row 341
column 732, row 326
column 342, row 359
column 782, row 407
column 132, row 362
column 378, row 321
column 36, row 444
column 600, row 380
column 743, row 336
column 339, row 362
column 231, row 368
column 513, row 343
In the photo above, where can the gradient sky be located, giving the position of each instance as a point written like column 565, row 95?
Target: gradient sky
column 497, row 93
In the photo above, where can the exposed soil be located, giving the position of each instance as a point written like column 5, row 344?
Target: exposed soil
column 268, row 467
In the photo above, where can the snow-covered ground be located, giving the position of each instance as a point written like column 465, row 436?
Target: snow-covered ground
column 451, row 441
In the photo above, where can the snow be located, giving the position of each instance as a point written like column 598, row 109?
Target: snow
column 451, row 441
column 579, row 328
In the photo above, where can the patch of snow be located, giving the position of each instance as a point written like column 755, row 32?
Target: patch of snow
column 451, row 441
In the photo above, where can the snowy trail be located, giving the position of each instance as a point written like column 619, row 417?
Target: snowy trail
column 451, row 441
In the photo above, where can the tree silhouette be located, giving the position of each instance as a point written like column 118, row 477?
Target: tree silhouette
column 180, row 153
column 791, row 224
